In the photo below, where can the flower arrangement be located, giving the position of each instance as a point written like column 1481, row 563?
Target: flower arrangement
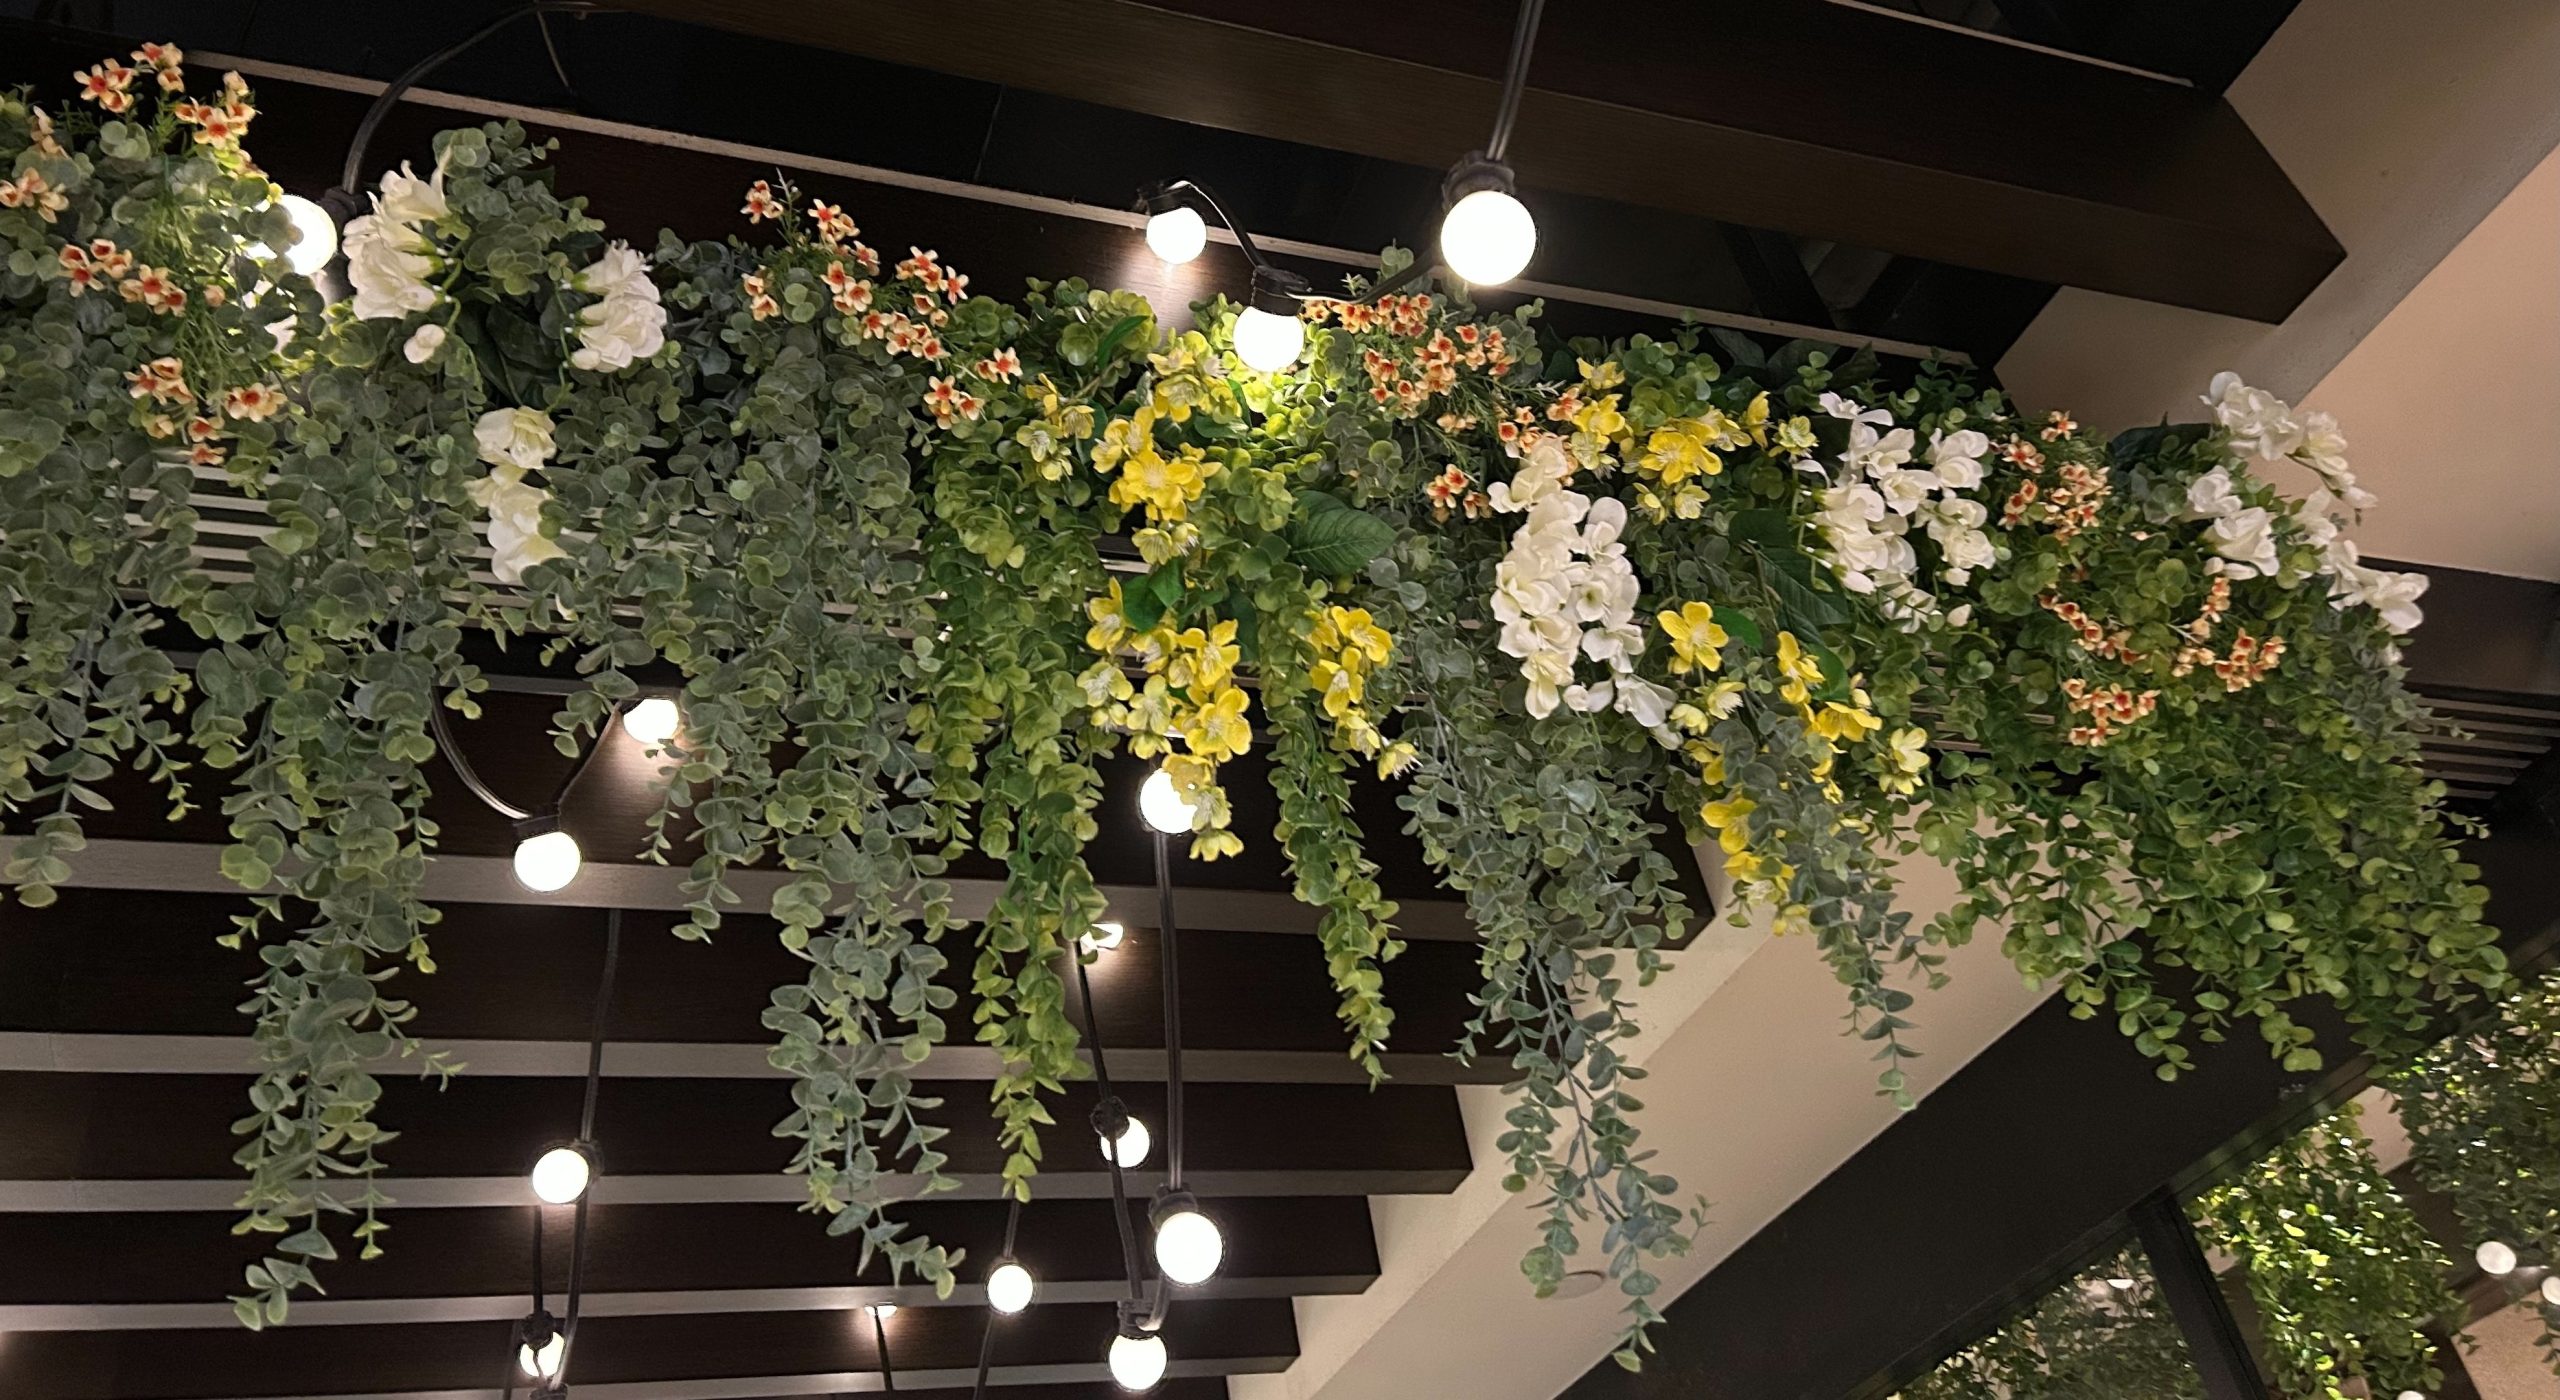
column 1561, row 594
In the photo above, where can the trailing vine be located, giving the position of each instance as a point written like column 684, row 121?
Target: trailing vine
column 920, row 559
column 2088, row 1339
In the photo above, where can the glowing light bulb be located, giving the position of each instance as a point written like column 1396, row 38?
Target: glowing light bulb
column 2412, row 1395
column 1188, row 1245
column 561, row 1175
column 884, row 1311
column 2495, row 1257
column 1487, row 237
column 653, row 721
column 1163, row 806
column 1104, row 936
column 315, row 235
column 1177, row 234
column 1134, row 1143
column 543, row 1364
column 547, row 860
column 2551, row 1290
column 1137, row 1359
column 1010, row 1287
column 1268, row 341
column 2121, row 1285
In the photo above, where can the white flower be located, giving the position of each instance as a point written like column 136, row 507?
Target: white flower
column 619, row 331
column 2246, row 542
column 2212, row 496
column 423, row 344
column 514, row 437
column 516, row 541
column 406, row 199
column 1876, row 454
column 1851, row 505
column 1956, row 524
column 1960, row 614
column 1958, row 458
column 1589, row 699
column 617, row 271
column 2393, row 595
column 1615, row 644
column 1854, row 411
column 1905, row 489
column 388, row 265
column 2259, row 422
column 1650, row 705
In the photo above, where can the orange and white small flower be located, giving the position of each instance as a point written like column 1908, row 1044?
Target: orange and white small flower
column 948, row 402
column 1003, row 365
column 108, row 84
column 922, row 265
column 163, row 57
column 254, row 402
column 876, row 325
column 1446, row 490
column 203, row 429
column 78, row 270
column 834, row 225
column 761, row 205
column 40, row 127
column 206, row 454
column 760, row 302
column 154, row 288
column 854, row 297
column 865, row 257
column 29, row 191
column 163, row 379
column 110, row 260
column 160, row 425
column 213, row 294
column 2058, row 425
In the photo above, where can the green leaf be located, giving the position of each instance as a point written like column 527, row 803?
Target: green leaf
column 1333, row 540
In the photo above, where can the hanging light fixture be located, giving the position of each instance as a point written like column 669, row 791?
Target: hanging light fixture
column 1487, row 235
column 1175, row 230
column 1009, row 1287
column 315, row 235
column 1137, row 1356
column 547, row 858
column 1269, row 334
column 560, row 1176
column 1188, row 1245
column 653, row 721
column 1163, row 805
column 2496, row 1258
column 882, row 1312
column 1103, row 936
column 1133, row 1141
column 543, row 1346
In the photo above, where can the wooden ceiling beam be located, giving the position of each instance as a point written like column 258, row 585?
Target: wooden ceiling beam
column 1817, row 120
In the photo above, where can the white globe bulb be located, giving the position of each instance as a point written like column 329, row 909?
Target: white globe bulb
column 561, row 1175
column 1177, row 235
column 1163, row 806
column 2495, row 1257
column 884, row 1311
column 653, row 721
column 2412, row 1395
column 1268, row 341
column 2551, row 1289
column 547, row 862
column 1487, row 237
column 1137, row 1363
column 1134, row 1142
column 1104, row 936
column 1009, row 1288
column 315, row 235
column 543, row 1365
column 1188, row 1246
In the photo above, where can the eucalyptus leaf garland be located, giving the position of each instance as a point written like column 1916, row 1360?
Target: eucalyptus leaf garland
column 2147, row 709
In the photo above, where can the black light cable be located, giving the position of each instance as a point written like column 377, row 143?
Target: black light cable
column 1188, row 1244
column 547, row 858
column 880, row 1341
column 987, row 1337
column 534, row 1333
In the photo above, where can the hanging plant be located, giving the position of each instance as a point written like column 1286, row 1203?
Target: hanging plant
column 2103, row 1335
column 874, row 522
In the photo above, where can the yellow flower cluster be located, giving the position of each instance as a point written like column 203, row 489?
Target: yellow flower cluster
column 1349, row 646
column 1050, row 438
column 1187, row 692
column 1682, row 450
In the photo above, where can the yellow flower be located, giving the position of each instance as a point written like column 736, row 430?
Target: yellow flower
column 1710, row 761
column 1124, row 436
column 1844, row 724
column 1398, row 757
column 1723, row 698
column 1795, row 437
column 1755, row 420
column 1729, row 812
column 1604, row 375
column 1795, row 918
column 1339, row 687
column 1218, row 730
column 1697, row 643
column 1682, row 448
column 1601, row 418
column 1102, row 683
column 1909, row 750
column 1204, row 659
column 1802, row 671
column 1353, row 629
column 1110, row 625
column 1745, row 866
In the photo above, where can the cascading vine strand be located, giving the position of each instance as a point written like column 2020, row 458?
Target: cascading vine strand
column 880, row 528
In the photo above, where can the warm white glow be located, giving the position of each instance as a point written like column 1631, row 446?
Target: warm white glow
column 2413, row 1395
column 546, row 862
column 315, row 235
column 1268, row 341
column 1487, row 237
column 2121, row 1285
column 1009, row 1288
column 1137, row 1363
column 1134, row 1142
column 1162, row 806
column 561, row 1176
column 884, row 1311
column 1188, row 1247
column 2495, row 1257
column 543, row 1365
column 653, row 721
column 2551, row 1290
column 1104, row 936
column 1177, row 235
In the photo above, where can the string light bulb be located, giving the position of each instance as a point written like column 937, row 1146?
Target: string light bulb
column 544, row 1348
column 1137, row 1358
column 1188, row 1245
column 560, row 1176
column 2495, row 1257
column 1134, row 1143
column 653, row 721
column 1103, row 936
column 883, row 1311
column 1163, row 805
column 1010, row 1287
column 1487, row 235
column 1175, row 230
column 315, row 235
column 547, row 858
column 1269, row 335
column 2551, row 1289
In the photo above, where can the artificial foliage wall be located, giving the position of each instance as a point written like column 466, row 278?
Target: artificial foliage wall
column 2145, row 706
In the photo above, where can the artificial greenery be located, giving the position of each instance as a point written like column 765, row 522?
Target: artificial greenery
column 2148, row 710
column 2483, row 1114
column 2089, row 1339
column 2347, row 1281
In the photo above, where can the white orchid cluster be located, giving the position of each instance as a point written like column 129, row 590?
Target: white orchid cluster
column 1867, row 516
column 514, row 442
column 2243, row 535
column 628, row 324
column 1566, row 591
column 390, row 257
